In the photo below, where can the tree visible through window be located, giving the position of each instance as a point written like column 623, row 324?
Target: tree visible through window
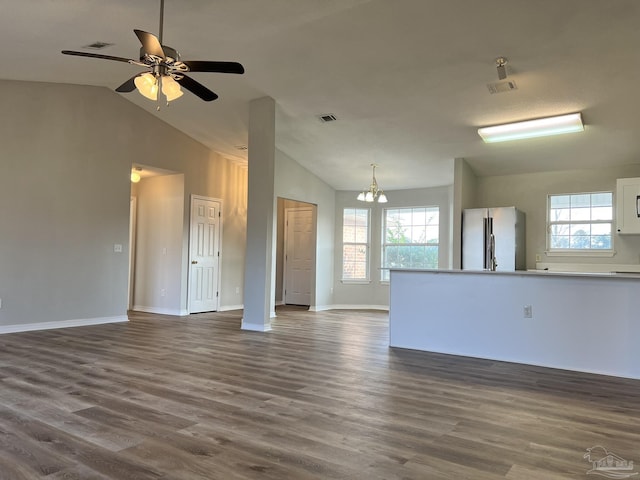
column 355, row 244
column 580, row 222
column 411, row 238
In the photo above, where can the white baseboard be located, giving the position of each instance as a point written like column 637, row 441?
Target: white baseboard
column 161, row 311
column 226, row 308
column 81, row 322
column 320, row 308
column 255, row 327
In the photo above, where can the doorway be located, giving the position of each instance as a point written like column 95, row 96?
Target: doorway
column 296, row 253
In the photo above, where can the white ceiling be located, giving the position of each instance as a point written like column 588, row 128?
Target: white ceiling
column 405, row 78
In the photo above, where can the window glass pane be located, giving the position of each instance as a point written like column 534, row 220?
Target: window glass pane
column 580, row 229
column 580, row 214
column 580, row 241
column 601, row 242
column 432, row 235
column 361, row 234
column 601, row 229
column 419, row 216
column 583, row 200
column 562, row 229
column 559, row 201
column 560, row 215
column 433, row 216
column 602, row 199
column 560, row 241
column 602, row 213
column 418, row 233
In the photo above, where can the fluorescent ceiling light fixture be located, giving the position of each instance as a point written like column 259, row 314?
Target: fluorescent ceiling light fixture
column 540, row 127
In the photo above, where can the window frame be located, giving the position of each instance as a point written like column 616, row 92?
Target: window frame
column 580, row 252
column 384, row 270
column 367, row 245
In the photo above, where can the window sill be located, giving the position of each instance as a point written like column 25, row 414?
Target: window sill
column 355, row 282
column 580, row 253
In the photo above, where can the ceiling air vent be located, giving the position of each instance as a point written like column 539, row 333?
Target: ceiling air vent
column 97, row 45
column 242, row 147
column 327, row 117
column 501, row 87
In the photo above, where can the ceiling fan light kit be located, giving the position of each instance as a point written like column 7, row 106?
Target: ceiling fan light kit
column 165, row 73
column 374, row 192
column 540, row 127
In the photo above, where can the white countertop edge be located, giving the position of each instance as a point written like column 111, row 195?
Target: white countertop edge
column 549, row 273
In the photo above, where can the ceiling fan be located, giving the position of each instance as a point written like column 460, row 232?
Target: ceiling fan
column 165, row 72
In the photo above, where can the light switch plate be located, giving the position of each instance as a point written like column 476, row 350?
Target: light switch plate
column 117, row 248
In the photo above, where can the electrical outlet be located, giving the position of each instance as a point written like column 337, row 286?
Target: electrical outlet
column 237, row 290
column 117, row 248
column 538, row 257
column 527, row 311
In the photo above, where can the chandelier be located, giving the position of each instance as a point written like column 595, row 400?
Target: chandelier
column 374, row 191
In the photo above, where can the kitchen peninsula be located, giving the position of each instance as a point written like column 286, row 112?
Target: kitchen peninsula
column 583, row 322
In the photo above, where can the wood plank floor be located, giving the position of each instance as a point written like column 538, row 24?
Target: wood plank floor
column 321, row 396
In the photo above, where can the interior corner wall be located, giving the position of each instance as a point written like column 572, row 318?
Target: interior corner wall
column 464, row 193
column 294, row 182
column 158, row 261
column 376, row 293
column 528, row 192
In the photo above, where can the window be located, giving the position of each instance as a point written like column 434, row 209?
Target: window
column 355, row 244
column 410, row 238
column 580, row 222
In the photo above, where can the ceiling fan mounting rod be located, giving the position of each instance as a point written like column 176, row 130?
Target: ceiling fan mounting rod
column 161, row 21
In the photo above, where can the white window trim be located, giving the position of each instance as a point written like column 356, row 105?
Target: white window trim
column 558, row 252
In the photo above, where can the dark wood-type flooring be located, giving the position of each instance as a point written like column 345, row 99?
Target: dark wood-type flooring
column 321, row 396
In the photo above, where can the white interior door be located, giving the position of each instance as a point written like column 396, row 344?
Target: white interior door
column 299, row 259
column 204, row 253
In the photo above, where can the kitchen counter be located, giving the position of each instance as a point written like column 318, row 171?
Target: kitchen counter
column 551, row 273
column 587, row 322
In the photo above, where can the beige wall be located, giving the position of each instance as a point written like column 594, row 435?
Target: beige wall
column 66, row 155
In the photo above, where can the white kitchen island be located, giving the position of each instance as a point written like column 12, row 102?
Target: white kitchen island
column 583, row 322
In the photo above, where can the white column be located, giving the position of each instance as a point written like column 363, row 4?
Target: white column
column 260, row 214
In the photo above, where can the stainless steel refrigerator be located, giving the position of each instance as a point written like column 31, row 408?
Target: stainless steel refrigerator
column 493, row 239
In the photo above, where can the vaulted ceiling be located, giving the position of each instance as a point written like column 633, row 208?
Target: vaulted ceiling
column 406, row 79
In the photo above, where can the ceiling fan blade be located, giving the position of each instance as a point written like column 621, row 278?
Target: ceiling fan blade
column 97, row 55
column 220, row 67
column 197, row 88
column 129, row 85
column 150, row 43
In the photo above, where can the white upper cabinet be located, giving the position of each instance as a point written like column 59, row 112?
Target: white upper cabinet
column 628, row 205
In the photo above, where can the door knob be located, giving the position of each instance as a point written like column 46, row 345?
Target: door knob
column 193, row 262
